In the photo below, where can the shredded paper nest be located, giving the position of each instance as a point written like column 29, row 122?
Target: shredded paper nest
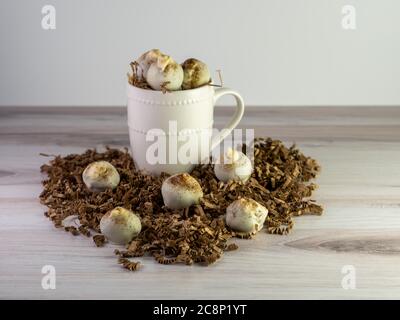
column 280, row 182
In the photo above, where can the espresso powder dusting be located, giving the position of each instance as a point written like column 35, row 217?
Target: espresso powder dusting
column 198, row 234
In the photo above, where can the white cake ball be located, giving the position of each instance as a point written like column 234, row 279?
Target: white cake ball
column 165, row 73
column 100, row 175
column 246, row 215
column 120, row 225
column 195, row 74
column 233, row 165
column 181, row 191
column 145, row 60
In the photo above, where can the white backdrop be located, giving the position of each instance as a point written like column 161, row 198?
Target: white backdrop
column 275, row 52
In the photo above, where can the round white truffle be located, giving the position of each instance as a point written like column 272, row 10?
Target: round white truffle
column 165, row 73
column 181, row 191
column 195, row 74
column 120, row 225
column 100, row 175
column 233, row 165
column 246, row 215
column 145, row 60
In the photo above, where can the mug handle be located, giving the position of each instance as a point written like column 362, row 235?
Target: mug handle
column 219, row 92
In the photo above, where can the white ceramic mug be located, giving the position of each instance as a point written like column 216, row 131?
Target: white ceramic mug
column 172, row 121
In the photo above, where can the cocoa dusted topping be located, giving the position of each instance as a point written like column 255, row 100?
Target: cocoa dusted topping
column 184, row 179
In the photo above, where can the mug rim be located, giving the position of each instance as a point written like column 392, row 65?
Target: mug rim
column 181, row 97
column 158, row 92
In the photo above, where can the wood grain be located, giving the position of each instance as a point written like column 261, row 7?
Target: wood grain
column 358, row 148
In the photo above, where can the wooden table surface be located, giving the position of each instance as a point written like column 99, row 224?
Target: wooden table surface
column 358, row 148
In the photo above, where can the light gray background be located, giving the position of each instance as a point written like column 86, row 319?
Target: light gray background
column 275, row 52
